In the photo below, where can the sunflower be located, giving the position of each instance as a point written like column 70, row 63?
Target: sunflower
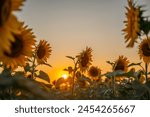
column 6, row 33
column 43, row 52
column 16, row 4
column 5, row 11
column 7, row 7
column 132, row 29
column 94, row 72
column 121, row 64
column 8, row 23
column 144, row 50
column 142, row 79
column 21, row 48
column 85, row 59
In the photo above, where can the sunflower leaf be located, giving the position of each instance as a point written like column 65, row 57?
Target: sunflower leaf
column 47, row 64
column 83, row 78
column 111, row 63
column 69, row 69
column 32, row 87
column 6, row 72
column 27, row 67
column 70, row 57
column 5, row 81
column 133, row 64
column 118, row 73
column 29, row 60
column 44, row 76
column 145, row 25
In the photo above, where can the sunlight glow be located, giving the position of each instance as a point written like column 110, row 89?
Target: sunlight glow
column 65, row 76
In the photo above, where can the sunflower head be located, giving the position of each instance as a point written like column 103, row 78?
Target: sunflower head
column 94, row 72
column 85, row 59
column 43, row 52
column 144, row 50
column 21, row 48
column 132, row 24
column 121, row 64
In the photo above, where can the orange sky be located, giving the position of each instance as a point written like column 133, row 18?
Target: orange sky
column 71, row 25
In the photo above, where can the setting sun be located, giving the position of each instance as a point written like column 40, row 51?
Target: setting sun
column 65, row 76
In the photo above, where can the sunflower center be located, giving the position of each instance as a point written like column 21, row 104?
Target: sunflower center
column 94, row 72
column 16, row 47
column 5, row 11
column 146, row 50
column 41, row 52
column 84, row 60
column 119, row 66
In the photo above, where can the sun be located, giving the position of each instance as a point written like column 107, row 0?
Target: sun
column 65, row 76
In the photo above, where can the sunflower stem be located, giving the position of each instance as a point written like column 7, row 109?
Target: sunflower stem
column 146, row 71
column 114, row 86
column 73, row 77
column 33, row 68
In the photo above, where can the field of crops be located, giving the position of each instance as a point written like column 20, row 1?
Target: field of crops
column 21, row 54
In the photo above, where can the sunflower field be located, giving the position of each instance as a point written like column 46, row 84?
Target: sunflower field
column 21, row 54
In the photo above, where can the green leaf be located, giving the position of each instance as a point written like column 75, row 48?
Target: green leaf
column 19, row 74
column 5, row 81
column 70, row 57
column 6, row 72
column 29, row 60
column 111, row 63
column 27, row 68
column 119, row 73
column 113, row 74
column 32, row 87
column 83, row 78
column 69, row 69
column 44, row 76
column 145, row 25
column 47, row 64
column 133, row 64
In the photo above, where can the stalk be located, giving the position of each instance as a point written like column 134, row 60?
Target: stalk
column 114, row 86
column 146, row 71
column 33, row 68
column 73, row 77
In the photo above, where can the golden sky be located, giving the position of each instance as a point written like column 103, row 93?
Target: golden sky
column 71, row 25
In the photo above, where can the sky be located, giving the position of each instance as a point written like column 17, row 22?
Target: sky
column 71, row 25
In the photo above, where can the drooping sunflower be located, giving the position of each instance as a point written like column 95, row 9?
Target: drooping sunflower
column 8, row 23
column 85, row 59
column 43, row 51
column 132, row 24
column 144, row 50
column 121, row 64
column 21, row 48
column 94, row 72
